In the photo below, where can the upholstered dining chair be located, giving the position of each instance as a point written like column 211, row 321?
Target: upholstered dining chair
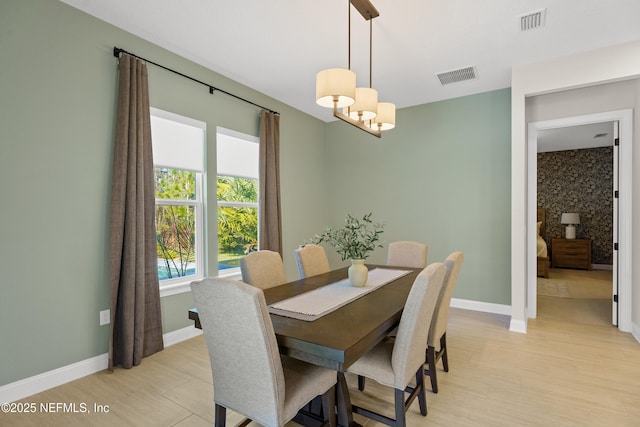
column 396, row 362
column 312, row 260
column 437, row 341
column 249, row 375
column 263, row 269
column 407, row 254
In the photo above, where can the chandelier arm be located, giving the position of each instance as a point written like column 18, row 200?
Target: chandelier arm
column 366, row 9
column 359, row 125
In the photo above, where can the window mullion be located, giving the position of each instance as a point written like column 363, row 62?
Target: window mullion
column 237, row 204
column 174, row 202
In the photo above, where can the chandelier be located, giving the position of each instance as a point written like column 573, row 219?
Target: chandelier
column 336, row 87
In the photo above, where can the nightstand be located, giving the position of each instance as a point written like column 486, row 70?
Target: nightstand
column 571, row 253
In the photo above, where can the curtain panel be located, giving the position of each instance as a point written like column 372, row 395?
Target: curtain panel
column 136, row 323
column 269, row 183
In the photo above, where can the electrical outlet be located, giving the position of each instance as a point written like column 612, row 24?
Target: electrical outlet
column 105, row 317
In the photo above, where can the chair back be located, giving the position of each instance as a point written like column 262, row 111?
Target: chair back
column 441, row 314
column 245, row 363
column 411, row 339
column 407, row 254
column 312, row 260
column 263, row 269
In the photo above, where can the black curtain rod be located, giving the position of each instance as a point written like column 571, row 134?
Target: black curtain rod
column 117, row 51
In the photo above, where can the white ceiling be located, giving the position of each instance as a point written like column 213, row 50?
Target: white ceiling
column 576, row 137
column 278, row 46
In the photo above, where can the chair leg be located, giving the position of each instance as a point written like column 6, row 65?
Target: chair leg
column 220, row 416
column 329, row 407
column 422, row 396
column 401, row 420
column 443, row 350
column 400, row 404
column 431, row 361
column 361, row 380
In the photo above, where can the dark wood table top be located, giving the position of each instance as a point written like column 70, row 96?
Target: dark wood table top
column 338, row 339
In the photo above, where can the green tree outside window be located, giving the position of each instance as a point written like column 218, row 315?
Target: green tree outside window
column 175, row 224
column 238, row 219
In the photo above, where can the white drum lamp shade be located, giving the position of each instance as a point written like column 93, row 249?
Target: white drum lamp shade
column 386, row 118
column 571, row 220
column 335, row 82
column 366, row 105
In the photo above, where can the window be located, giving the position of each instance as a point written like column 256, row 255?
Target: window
column 237, row 194
column 178, row 158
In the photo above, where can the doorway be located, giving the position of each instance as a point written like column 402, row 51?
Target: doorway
column 622, row 218
column 575, row 173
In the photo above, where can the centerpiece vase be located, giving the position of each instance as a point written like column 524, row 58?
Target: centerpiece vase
column 358, row 273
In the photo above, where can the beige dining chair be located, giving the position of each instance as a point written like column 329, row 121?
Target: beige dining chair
column 437, row 341
column 407, row 254
column 249, row 375
column 396, row 362
column 263, row 269
column 312, row 260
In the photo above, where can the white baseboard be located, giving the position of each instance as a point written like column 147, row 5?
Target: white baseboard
column 602, row 267
column 487, row 307
column 635, row 331
column 174, row 337
column 518, row 326
column 38, row 383
column 41, row 382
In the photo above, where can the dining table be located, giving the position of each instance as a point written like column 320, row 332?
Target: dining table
column 339, row 337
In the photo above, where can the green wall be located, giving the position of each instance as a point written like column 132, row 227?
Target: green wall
column 442, row 176
column 58, row 87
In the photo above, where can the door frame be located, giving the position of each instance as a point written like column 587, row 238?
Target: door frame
column 625, row 119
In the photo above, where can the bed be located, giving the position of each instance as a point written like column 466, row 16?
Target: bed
column 541, row 245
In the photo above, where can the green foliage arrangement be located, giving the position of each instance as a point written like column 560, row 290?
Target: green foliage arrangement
column 355, row 240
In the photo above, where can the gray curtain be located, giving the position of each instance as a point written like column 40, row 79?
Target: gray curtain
column 270, row 222
column 136, row 324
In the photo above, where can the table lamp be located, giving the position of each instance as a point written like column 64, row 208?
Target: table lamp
column 571, row 219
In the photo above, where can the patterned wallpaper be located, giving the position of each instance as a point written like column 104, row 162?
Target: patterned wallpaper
column 579, row 181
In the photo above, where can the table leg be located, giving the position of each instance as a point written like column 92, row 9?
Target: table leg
column 343, row 403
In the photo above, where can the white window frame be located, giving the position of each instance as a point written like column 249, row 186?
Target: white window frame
column 221, row 132
column 180, row 285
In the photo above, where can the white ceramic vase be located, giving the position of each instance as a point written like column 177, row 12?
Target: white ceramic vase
column 358, row 273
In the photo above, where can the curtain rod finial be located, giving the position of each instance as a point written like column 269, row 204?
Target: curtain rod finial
column 117, row 51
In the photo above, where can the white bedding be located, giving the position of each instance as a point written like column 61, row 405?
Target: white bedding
column 541, row 245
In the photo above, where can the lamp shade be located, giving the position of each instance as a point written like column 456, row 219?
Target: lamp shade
column 386, row 118
column 366, row 105
column 570, row 218
column 335, row 82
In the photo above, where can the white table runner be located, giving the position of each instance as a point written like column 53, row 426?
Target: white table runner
column 318, row 302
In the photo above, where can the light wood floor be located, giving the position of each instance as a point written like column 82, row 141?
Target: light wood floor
column 558, row 374
column 586, row 296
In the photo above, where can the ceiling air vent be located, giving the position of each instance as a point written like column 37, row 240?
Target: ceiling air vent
column 533, row 20
column 459, row 75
